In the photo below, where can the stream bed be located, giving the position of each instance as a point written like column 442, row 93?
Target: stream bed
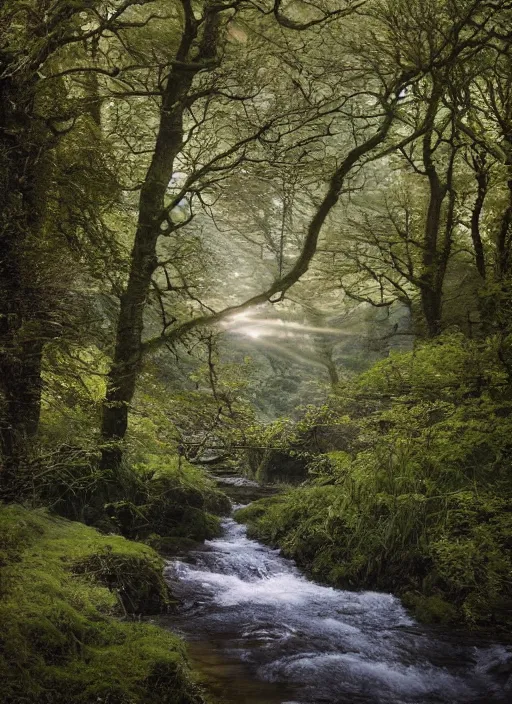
column 262, row 633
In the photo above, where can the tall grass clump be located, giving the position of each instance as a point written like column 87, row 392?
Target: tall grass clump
column 421, row 504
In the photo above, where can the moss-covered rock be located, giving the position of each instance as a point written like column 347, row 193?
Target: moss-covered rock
column 136, row 579
column 171, row 546
column 164, row 495
column 62, row 586
column 273, row 466
column 170, row 498
column 431, row 609
column 251, row 515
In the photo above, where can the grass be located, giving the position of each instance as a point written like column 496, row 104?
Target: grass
column 449, row 568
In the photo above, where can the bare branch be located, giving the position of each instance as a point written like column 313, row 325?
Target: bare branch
column 303, row 262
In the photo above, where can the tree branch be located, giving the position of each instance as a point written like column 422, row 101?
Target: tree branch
column 301, row 266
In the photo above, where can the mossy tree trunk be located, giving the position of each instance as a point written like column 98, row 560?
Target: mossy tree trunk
column 439, row 223
column 31, row 275
column 21, row 304
column 481, row 172
column 152, row 217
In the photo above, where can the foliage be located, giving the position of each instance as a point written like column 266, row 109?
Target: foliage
column 59, row 640
column 420, row 504
column 74, row 386
column 285, row 450
column 159, row 495
column 206, row 406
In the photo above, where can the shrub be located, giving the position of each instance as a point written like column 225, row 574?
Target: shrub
column 420, row 503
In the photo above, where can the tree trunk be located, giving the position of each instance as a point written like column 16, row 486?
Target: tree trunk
column 436, row 254
column 504, row 239
column 21, row 388
column 128, row 348
column 482, row 182
column 334, row 377
column 431, row 305
column 27, row 303
column 20, row 355
column 431, row 298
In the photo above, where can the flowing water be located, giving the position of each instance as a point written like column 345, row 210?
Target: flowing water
column 262, row 633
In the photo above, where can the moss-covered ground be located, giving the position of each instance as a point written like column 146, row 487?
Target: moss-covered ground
column 66, row 637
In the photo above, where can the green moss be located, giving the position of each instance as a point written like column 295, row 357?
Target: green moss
column 431, row 609
column 62, row 587
column 258, row 509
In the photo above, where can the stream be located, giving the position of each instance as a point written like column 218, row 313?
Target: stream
column 260, row 632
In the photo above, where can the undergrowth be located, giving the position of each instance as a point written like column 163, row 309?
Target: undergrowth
column 163, row 496
column 63, row 587
column 420, row 502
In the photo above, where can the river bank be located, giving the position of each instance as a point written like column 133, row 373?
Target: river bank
column 260, row 632
column 71, row 599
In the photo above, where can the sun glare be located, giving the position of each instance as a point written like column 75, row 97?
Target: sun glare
column 252, row 332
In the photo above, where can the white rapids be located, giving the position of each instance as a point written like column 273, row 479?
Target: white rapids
column 329, row 646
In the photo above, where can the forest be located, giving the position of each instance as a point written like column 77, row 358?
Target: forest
column 254, row 255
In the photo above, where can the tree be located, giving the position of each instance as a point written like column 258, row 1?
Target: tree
column 203, row 41
column 48, row 207
column 171, row 107
column 398, row 249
